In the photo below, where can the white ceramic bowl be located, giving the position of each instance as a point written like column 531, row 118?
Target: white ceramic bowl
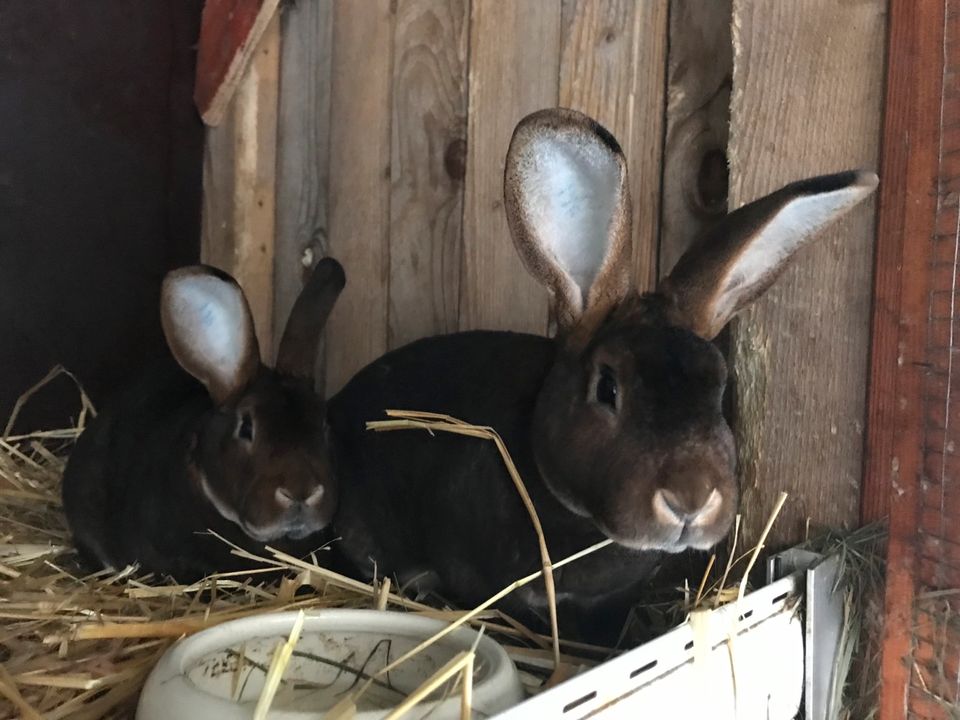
column 214, row 674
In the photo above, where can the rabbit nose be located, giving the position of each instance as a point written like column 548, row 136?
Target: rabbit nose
column 674, row 509
column 314, row 498
column 286, row 498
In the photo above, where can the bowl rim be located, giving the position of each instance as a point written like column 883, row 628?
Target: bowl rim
column 501, row 680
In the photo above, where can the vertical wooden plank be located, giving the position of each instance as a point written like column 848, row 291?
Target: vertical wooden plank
column 303, row 154
column 359, row 197
column 239, row 184
column 905, row 356
column 612, row 64
column 699, row 72
column 427, row 167
column 514, row 62
column 807, row 91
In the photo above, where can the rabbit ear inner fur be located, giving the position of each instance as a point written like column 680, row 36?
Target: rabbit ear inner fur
column 737, row 261
column 297, row 354
column 209, row 329
column 568, row 206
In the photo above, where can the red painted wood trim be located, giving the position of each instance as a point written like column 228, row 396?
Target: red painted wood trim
column 907, row 218
column 229, row 31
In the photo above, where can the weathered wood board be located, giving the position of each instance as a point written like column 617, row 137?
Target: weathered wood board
column 514, row 63
column 427, row 167
column 359, row 192
column 807, row 94
column 303, row 147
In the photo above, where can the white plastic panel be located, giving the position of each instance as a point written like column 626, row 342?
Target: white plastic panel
column 760, row 679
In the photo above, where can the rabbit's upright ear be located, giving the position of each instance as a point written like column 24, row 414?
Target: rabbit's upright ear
column 568, row 206
column 209, row 329
column 297, row 354
column 737, row 261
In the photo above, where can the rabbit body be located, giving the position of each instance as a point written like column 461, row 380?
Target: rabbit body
column 132, row 494
column 616, row 425
column 209, row 439
column 444, row 504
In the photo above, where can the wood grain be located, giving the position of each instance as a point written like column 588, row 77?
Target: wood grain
column 359, row 196
column 905, row 355
column 303, row 160
column 807, row 92
column 514, row 64
column 700, row 66
column 239, row 184
column 428, row 155
column 612, row 64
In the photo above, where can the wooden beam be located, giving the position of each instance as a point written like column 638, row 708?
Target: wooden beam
column 239, row 185
column 514, row 62
column 807, row 93
column 230, row 31
column 612, row 64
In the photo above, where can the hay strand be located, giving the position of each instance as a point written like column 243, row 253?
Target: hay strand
column 434, row 422
column 86, row 407
column 281, row 657
column 778, row 506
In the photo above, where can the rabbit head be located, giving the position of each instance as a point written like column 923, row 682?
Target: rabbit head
column 628, row 428
column 261, row 455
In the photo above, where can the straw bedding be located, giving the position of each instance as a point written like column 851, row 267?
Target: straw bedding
column 79, row 647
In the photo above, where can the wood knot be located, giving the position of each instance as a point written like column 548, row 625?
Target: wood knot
column 713, row 182
column 455, row 159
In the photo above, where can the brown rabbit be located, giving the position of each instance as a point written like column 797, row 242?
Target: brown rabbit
column 615, row 426
column 213, row 440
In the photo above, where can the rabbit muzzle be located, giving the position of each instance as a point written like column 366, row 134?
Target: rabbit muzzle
column 294, row 506
column 685, row 499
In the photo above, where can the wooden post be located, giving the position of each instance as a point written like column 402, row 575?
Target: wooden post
column 912, row 468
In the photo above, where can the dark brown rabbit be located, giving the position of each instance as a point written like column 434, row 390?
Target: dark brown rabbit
column 210, row 439
column 615, row 426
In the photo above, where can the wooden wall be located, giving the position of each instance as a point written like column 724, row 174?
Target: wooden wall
column 392, row 122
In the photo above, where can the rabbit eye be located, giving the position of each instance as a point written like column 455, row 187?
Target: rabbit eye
column 607, row 387
column 245, row 427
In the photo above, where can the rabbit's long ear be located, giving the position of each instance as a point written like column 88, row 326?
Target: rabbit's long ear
column 567, row 202
column 301, row 338
column 209, row 329
column 739, row 259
